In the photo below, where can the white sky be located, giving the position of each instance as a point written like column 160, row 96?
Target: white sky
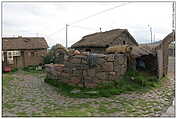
column 47, row 19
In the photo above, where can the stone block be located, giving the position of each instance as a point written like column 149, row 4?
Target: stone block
column 76, row 60
column 84, row 61
column 85, row 73
column 108, row 66
column 101, row 75
column 110, row 58
column 65, row 75
column 123, row 70
column 99, row 68
column 76, row 73
column 112, row 73
column 100, row 61
column 117, row 67
column 120, row 59
column 91, row 72
column 100, row 55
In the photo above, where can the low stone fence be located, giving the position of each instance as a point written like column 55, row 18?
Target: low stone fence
column 90, row 70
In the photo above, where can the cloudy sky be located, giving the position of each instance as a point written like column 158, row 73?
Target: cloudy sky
column 48, row 19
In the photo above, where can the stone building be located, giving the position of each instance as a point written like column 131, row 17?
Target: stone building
column 161, row 51
column 98, row 42
column 81, row 70
column 20, row 51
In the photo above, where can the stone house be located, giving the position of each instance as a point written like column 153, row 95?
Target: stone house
column 158, row 53
column 98, row 42
column 20, row 51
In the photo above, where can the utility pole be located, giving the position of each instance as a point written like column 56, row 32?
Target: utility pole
column 154, row 37
column 100, row 29
column 173, row 16
column 150, row 31
column 67, row 35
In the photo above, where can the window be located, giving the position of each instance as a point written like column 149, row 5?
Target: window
column 124, row 42
column 9, row 53
column 88, row 50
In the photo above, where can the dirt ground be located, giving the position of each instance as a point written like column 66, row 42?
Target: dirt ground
column 26, row 94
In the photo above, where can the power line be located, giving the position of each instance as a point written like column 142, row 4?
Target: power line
column 57, row 31
column 83, row 27
column 85, row 18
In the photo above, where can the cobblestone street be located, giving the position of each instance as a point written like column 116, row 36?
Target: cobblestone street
column 28, row 95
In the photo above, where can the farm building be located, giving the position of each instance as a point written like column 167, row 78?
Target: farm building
column 98, row 42
column 20, row 51
column 161, row 50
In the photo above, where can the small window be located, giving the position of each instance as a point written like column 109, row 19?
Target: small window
column 88, row 50
column 124, row 42
column 107, row 46
column 9, row 53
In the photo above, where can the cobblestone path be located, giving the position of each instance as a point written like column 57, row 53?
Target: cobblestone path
column 28, row 95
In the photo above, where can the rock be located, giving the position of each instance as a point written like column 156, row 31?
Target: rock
column 75, row 60
column 100, row 55
column 110, row 57
column 112, row 73
column 76, row 73
column 85, row 73
column 108, row 66
column 65, row 75
column 75, row 91
column 99, row 68
column 91, row 72
column 92, row 92
column 101, row 75
column 123, row 71
column 100, row 61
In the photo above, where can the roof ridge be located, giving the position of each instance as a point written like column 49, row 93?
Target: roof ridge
column 103, row 32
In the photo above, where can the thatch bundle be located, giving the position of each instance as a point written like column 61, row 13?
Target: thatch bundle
column 119, row 49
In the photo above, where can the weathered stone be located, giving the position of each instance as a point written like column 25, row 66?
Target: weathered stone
column 91, row 92
column 110, row 57
column 91, row 72
column 76, row 73
column 101, row 75
column 123, row 70
column 100, row 61
column 89, row 80
column 121, row 60
column 112, row 73
column 75, row 91
column 84, row 61
column 99, row 68
column 108, row 66
column 65, row 75
column 85, row 73
column 75, row 60
column 100, row 55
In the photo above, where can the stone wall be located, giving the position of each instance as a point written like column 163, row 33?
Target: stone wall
column 77, row 71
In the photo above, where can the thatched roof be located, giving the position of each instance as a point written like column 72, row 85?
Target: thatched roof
column 102, row 39
column 138, row 51
column 23, row 43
